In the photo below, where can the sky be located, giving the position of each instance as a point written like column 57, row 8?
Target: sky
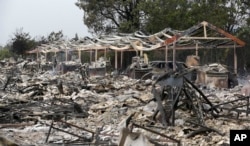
column 40, row 18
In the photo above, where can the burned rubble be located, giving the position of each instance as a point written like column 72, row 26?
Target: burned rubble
column 52, row 108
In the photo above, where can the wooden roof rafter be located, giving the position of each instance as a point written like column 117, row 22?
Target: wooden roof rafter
column 204, row 33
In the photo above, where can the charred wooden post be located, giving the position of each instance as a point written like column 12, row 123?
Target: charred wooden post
column 247, row 106
column 60, row 86
column 47, row 138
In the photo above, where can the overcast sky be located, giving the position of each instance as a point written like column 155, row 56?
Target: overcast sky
column 40, row 17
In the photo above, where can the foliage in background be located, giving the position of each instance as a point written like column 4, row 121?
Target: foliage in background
column 110, row 15
column 21, row 42
column 5, row 53
column 244, row 53
column 55, row 36
column 151, row 16
column 154, row 15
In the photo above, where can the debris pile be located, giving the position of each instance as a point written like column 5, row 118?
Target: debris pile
column 49, row 108
column 216, row 75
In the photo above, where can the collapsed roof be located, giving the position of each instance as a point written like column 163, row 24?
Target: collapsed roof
column 203, row 35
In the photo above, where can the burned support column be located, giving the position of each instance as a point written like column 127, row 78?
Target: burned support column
column 66, row 54
column 90, row 56
column 235, row 60
column 196, row 49
column 174, row 59
column 115, row 59
column 79, row 55
column 166, row 53
column 45, row 56
column 247, row 105
column 96, row 55
column 37, row 55
column 121, row 59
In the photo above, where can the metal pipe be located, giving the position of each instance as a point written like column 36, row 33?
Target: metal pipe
column 163, row 135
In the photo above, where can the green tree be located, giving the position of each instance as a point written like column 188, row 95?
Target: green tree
column 111, row 15
column 151, row 16
column 76, row 38
column 182, row 14
column 160, row 14
column 244, row 53
column 154, row 15
column 22, row 42
column 41, row 40
column 5, row 53
column 55, row 36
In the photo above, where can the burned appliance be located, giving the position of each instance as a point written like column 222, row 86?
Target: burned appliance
column 139, row 67
column 216, row 76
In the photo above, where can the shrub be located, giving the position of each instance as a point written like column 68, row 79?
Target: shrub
column 5, row 53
